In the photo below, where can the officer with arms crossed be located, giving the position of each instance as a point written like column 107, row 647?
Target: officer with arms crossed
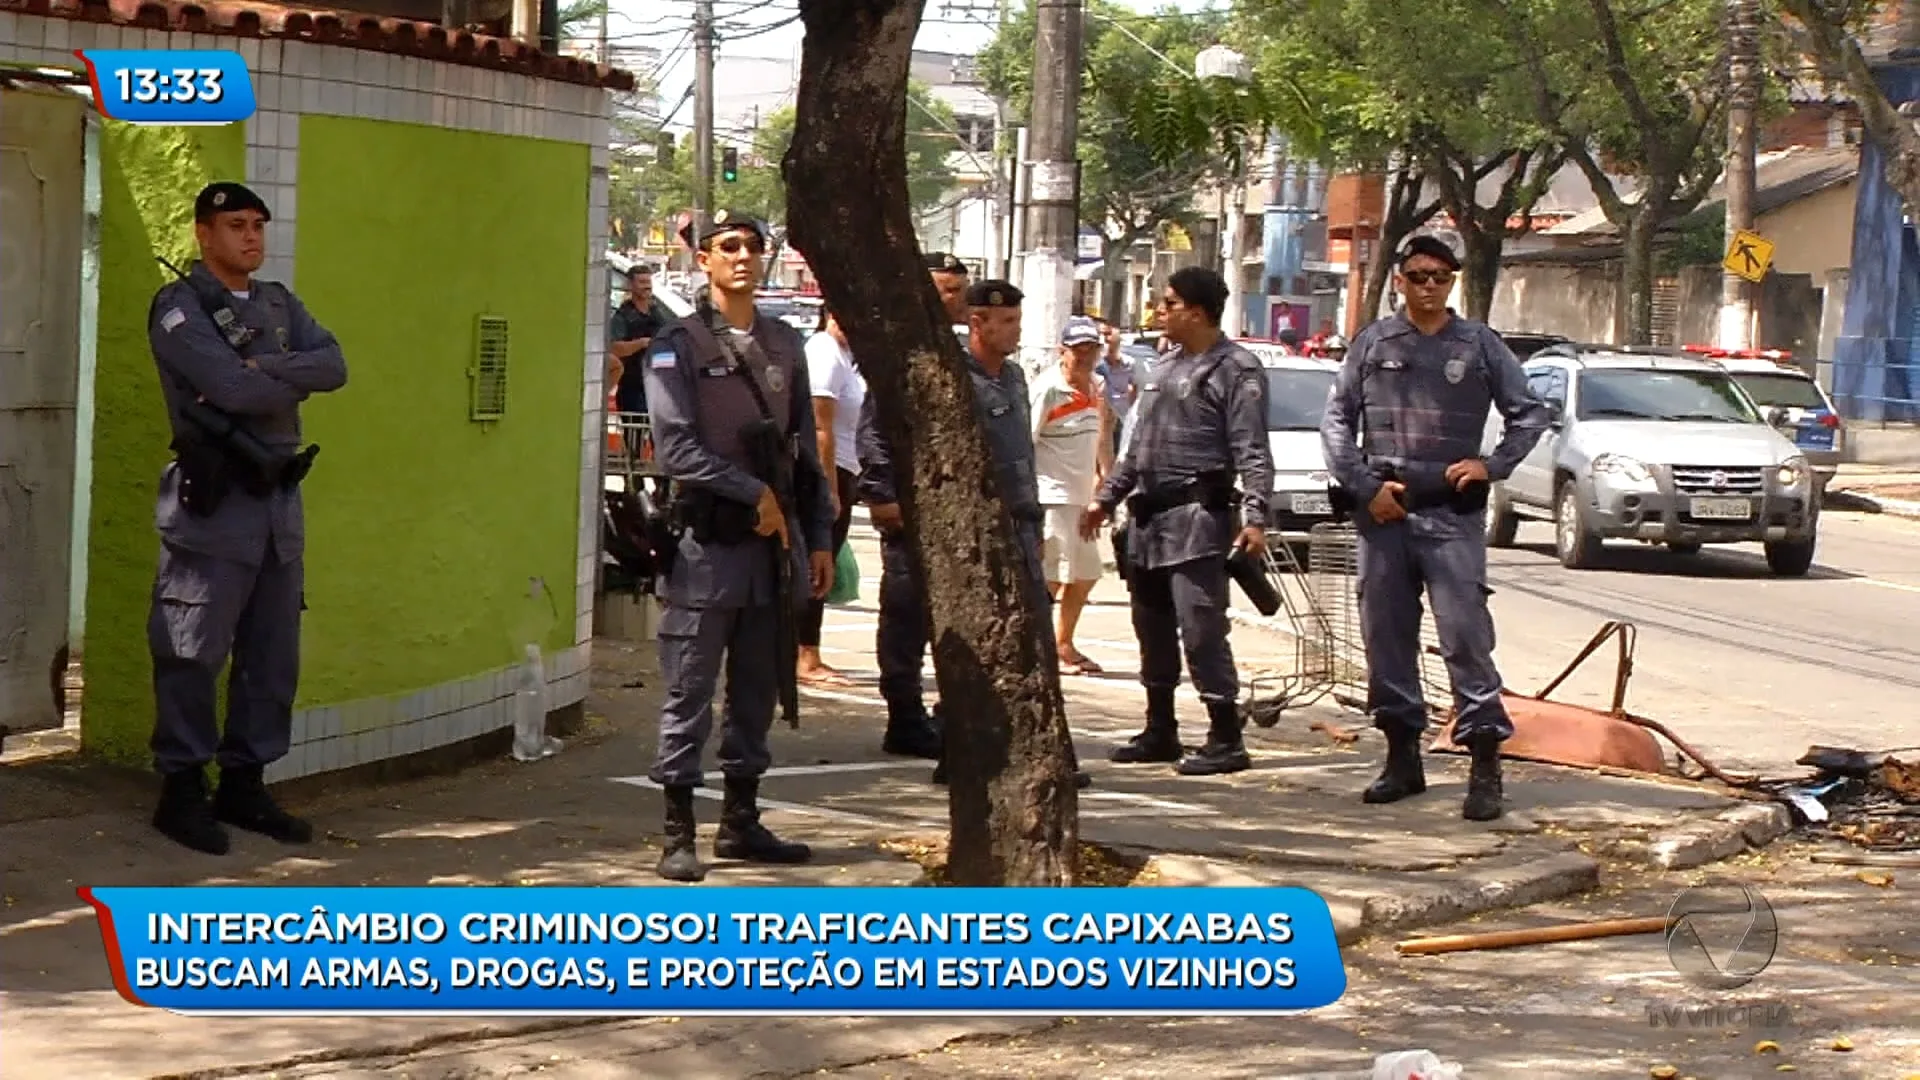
column 714, row 379
column 1000, row 402
column 900, row 643
column 1402, row 435
column 236, row 357
column 1201, row 419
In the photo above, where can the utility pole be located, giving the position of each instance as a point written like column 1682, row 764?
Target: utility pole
column 605, row 51
column 702, row 109
column 1053, row 182
column 1743, row 68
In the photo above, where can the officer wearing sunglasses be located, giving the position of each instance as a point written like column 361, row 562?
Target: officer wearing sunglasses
column 1402, row 435
column 715, row 380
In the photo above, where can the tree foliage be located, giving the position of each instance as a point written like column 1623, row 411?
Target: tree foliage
column 1134, row 105
column 645, row 189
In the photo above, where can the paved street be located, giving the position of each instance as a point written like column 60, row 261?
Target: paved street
column 1750, row 667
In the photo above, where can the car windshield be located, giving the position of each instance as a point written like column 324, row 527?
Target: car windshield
column 1643, row 394
column 1789, row 391
column 1296, row 399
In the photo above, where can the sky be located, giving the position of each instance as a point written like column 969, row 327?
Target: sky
column 771, row 29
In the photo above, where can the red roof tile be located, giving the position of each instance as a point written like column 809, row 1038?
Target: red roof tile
column 348, row 29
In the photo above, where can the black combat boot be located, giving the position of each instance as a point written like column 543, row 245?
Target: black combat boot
column 1403, row 774
column 741, row 835
column 1224, row 752
column 911, row 732
column 242, row 801
column 185, row 816
column 678, row 859
column 1160, row 741
column 1483, row 781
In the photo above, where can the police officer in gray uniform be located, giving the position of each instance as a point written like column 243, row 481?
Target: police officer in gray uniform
column 711, row 377
column 1402, row 435
column 236, row 358
column 1001, row 406
column 900, row 643
column 1202, row 422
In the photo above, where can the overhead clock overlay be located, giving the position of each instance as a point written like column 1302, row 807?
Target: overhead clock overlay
column 173, row 87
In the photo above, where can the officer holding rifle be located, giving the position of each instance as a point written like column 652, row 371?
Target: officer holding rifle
column 236, row 357
column 753, row 523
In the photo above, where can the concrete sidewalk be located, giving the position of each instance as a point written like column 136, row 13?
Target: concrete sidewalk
column 1877, row 489
column 586, row 817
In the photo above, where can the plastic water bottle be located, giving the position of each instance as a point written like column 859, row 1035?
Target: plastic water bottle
column 530, row 739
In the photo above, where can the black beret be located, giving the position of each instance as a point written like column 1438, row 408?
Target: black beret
column 1432, row 247
column 227, row 197
column 723, row 221
column 942, row 262
column 993, row 294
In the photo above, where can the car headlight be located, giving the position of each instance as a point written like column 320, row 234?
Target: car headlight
column 1621, row 467
column 1790, row 472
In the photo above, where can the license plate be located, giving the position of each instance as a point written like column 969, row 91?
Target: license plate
column 1819, row 438
column 1306, row 504
column 1722, row 509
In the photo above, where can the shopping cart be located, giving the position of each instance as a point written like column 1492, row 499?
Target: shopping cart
column 1323, row 612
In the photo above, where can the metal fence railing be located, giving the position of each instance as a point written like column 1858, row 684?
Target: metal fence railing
column 1888, row 392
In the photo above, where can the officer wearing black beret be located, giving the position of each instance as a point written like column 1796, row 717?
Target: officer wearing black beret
column 715, row 380
column 236, row 357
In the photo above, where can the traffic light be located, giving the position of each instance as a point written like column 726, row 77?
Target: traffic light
column 729, row 164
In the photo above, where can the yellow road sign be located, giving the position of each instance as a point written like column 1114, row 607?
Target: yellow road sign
column 1748, row 255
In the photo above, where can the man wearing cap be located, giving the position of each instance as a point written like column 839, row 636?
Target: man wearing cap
column 1402, row 435
column 712, row 378
column 900, row 642
column 1202, row 424
column 236, row 357
column 1071, row 422
column 1001, row 404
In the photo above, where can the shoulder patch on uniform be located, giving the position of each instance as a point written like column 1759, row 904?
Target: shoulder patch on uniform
column 664, row 358
column 1254, row 385
column 172, row 319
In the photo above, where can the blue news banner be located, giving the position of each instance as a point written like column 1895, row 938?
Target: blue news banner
column 677, row 952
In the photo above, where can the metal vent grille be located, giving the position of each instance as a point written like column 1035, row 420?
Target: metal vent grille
column 489, row 372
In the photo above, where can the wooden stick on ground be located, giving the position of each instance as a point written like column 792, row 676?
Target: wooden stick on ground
column 1539, row 935
column 1893, row 860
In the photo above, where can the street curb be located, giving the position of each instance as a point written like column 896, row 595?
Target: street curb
column 1726, row 834
column 1866, row 502
column 1359, row 913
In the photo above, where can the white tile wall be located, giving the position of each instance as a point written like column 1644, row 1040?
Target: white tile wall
column 294, row 78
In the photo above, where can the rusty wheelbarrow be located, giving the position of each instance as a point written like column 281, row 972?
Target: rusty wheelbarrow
column 1559, row 733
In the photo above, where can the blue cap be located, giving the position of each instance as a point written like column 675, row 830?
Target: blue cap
column 1080, row 330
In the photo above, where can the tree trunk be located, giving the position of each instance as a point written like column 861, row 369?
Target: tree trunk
column 1113, row 271
column 1636, row 274
column 1011, row 799
column 1404, row 214
column 1480, row 266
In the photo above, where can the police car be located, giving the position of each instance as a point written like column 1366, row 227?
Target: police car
column 1791, row 401
column 1297, row 390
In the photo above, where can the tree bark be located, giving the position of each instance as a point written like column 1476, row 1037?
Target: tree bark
column 1011, row 800
column 1404, row 214
column 1636, row 275
column 1480, row 268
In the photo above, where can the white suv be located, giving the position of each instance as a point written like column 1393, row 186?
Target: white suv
column 1657, row 446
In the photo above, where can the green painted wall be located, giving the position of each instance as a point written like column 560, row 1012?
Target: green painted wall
column 148, row 178
column 426, row 530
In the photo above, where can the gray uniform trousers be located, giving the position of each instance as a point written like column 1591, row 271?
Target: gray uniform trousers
column 900, row 644
column 695, row 643
column 1184, row 606
column 1444, row 553
column 205, row 609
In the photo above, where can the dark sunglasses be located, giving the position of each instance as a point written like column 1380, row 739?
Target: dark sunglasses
column 732, row 245
column 1427, row 277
